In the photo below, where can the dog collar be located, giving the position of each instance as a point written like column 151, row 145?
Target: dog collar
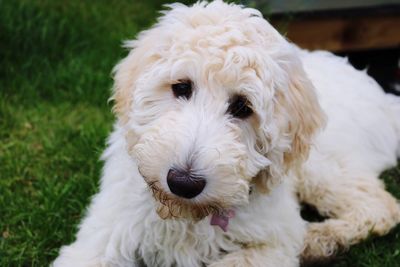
column 222, row 219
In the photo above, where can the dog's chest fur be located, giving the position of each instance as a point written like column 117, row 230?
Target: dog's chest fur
column 188, row 243
column 184, row 243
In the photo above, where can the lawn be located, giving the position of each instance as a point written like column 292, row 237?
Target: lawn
column 56, row 59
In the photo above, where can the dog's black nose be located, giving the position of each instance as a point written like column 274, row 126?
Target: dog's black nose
column 184, row 184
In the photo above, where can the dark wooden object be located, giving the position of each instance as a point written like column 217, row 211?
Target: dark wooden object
column 350, row 29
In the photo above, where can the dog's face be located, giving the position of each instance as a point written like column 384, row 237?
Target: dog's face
column 213, row 100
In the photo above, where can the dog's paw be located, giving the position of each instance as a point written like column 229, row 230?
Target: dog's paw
column 322, row 243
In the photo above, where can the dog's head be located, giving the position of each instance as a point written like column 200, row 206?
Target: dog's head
column 213, row 100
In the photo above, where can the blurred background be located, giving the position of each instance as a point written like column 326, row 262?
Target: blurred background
column 56, row 58
column 366, row 31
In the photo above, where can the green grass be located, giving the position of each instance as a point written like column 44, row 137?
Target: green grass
column 56, row 58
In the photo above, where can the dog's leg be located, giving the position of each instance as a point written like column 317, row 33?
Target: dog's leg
column 110, row 233
column 259, row 256
column 356, row 208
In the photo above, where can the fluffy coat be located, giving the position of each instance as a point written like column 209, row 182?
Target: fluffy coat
column 321, row 133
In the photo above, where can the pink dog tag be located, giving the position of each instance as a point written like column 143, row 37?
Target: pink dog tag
column 222, row 220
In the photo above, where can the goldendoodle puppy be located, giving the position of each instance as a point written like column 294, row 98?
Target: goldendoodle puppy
column 223, row 128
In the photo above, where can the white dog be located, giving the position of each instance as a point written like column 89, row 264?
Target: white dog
column 223, row 128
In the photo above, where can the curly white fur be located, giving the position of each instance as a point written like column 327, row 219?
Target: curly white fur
column 226, row 50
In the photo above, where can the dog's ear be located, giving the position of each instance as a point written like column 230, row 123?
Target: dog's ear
column 298, row 116
column 127, row 71
column 304, row 116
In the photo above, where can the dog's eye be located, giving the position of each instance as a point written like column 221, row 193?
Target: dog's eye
column 182, row 89
column 239, row 107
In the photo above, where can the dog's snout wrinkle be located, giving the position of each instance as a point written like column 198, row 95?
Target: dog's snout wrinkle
column 184, row 183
